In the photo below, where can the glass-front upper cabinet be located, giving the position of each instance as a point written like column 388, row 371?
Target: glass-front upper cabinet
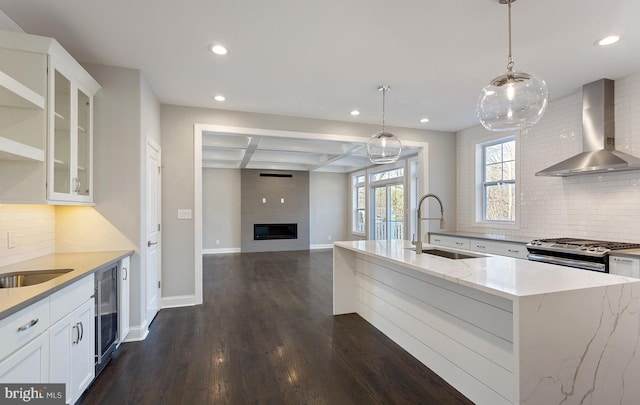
column 70, row 141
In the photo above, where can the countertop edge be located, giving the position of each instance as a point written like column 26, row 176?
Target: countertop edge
column 60, row 282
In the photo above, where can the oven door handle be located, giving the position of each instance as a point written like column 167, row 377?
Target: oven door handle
column 567, row 262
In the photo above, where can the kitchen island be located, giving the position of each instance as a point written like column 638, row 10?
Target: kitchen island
column 500, row 330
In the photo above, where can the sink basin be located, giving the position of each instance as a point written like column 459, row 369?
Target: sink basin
column 448, row 254
column 27, row 278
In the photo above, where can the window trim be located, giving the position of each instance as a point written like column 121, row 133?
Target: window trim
column 354, row 202
column 479, row 198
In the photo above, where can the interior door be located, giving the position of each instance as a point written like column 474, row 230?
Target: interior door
column 153, row 230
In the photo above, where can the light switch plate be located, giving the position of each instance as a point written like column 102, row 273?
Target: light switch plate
column 184, row 213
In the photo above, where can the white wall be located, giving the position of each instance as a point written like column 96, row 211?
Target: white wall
column 328, row 208
column 178, row 188
column 220, row 210
column 597, row 206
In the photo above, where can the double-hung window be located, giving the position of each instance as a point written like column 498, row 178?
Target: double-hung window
column 359, row 203
column 499, row 180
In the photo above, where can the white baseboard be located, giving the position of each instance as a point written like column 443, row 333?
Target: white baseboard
column 137, row 333
column 220, row 251
column 178, row 301
column 327, row 246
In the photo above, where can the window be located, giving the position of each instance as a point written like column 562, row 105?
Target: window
column 359, row 203
column 499, row 180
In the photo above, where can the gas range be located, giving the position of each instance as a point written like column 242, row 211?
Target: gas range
column 575, row 252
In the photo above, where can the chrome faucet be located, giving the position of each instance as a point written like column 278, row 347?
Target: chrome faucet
column 420, row 219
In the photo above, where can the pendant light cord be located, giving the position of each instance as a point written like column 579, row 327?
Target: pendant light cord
column 510, row 61
column 384, row 93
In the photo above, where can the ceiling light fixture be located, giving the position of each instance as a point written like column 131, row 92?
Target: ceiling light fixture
column 608, row 40
column 219, row 97
column 383, row 147
column 514, row 100
column 219, row 50
column 424, row 120
column 355, row 112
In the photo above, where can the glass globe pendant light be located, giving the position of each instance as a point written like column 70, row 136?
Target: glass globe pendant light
column 383, row 147
column 515, row 100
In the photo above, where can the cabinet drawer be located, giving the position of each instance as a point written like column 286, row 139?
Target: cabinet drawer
column 70, row 298
column 624, row 266
column 516, row 250
column 450, row 241
column 20, row 328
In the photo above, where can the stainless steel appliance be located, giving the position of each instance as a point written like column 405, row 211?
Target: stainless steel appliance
column 575, row 252
column 106, row 321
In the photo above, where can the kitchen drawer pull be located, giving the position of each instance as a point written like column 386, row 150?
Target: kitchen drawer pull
column 459, row 243
column 617, row 259
column 28, row 325
column 75, row 331
column 81, row 331
column 513, row 251
column 149, row 243
column 481, row 247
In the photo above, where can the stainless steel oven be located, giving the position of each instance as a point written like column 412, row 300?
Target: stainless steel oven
column 575, row 252
column 106, row 318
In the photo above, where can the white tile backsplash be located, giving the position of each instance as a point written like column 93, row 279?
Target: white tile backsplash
column 597, row 206
column 33, row 228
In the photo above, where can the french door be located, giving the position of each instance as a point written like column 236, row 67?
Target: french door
column 388, row 212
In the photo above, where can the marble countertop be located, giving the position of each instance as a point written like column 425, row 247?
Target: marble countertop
column 82, row 263
column 498, row 275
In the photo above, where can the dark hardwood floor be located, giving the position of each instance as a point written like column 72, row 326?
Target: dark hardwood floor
column 265, row 335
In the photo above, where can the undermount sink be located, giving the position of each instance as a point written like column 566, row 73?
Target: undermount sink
column 27, row 278
column 449, row 254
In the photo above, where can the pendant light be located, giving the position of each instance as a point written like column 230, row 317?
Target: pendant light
column 383, row 147
column 513, row 101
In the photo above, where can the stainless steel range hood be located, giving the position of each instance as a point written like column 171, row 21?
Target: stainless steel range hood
column 598, row 137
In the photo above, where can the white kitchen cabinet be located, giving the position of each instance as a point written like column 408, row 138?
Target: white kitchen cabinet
column 46, row 110
column 510, row 249
column 449, row 241
column 72, row 345
column 624, row 266
column 24, row 352
column 70, row 138
column 29, row 364
column 517, row 250
column 124, row 271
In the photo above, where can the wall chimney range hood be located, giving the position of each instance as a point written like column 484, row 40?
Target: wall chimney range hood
column 598, row 137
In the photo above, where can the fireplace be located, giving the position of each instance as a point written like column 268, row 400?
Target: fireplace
column 275, row 231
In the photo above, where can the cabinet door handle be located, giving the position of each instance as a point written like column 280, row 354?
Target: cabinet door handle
column 28, row 325
column 149, row 243
column 126, row 273
column 81, row 331
column 75, row 339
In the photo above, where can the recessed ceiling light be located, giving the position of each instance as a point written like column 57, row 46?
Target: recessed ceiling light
column 611, row 39
column 355, row 112
column 219, row 50
column 219, row 97
column 423, row 120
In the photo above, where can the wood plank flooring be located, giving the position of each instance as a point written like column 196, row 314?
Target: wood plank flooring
column 265, row 335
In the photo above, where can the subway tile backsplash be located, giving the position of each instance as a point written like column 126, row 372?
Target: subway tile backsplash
column 32, row 229
column 597, row 206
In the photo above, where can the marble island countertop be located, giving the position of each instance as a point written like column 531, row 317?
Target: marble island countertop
column 498, row 275
column 81, row 263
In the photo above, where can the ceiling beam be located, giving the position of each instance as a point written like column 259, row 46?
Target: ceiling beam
column 251, row 148
column 333, row 158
